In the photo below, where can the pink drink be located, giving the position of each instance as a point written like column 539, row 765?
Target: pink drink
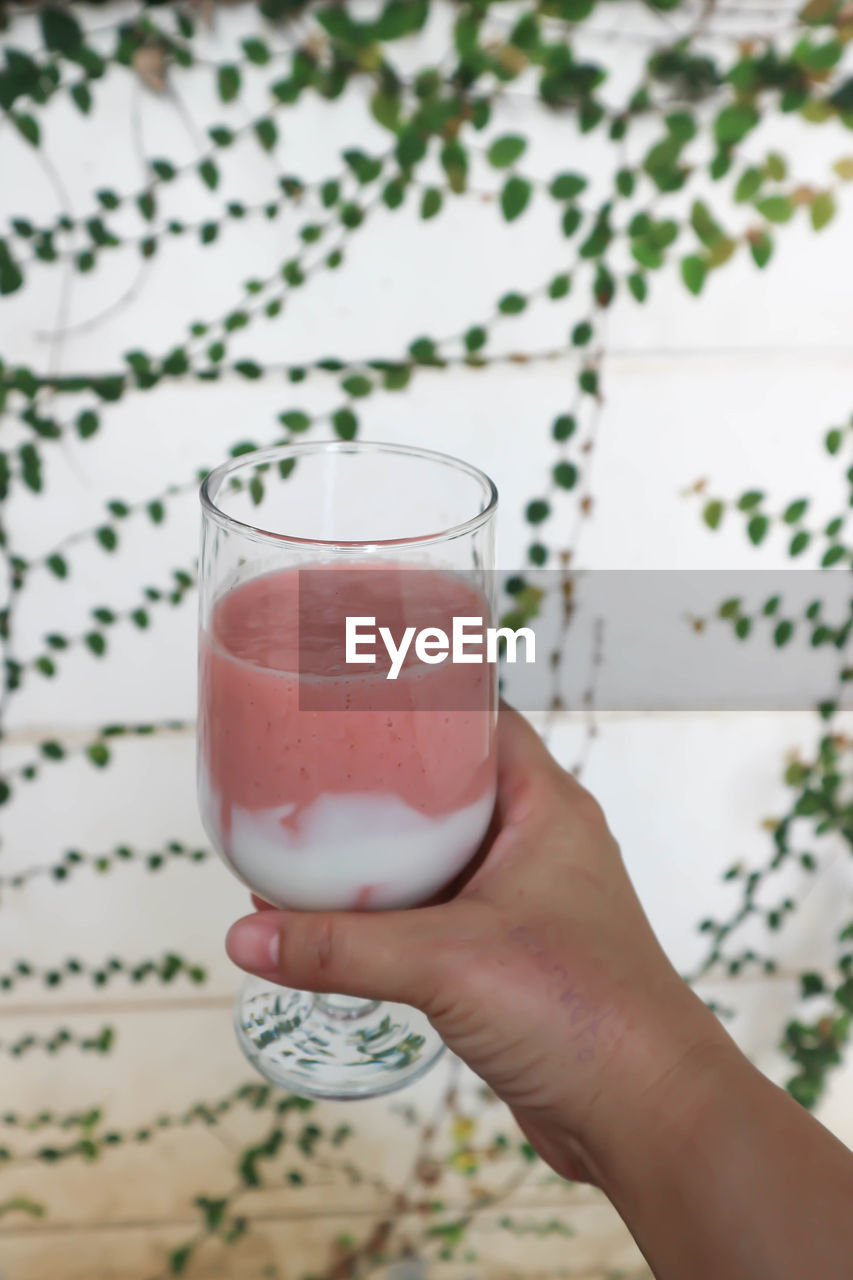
column 343, row 805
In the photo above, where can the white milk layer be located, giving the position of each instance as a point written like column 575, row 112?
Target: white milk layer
column 346, row 845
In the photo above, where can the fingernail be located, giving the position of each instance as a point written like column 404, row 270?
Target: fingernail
column 253, row 944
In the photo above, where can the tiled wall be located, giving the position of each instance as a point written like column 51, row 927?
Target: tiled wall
column 738, row 387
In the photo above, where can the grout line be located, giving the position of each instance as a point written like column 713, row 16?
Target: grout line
column 200, row 1004
column 320, row 1213
column 162, row 1004
column 32, row 735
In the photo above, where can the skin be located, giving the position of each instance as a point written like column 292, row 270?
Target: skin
column 542, row 972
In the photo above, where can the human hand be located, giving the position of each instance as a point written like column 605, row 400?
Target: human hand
column 542, row 972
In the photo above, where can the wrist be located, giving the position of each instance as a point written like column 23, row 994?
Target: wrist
column 658, row 1082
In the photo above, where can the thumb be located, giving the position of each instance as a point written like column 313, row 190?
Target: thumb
column 387, row 955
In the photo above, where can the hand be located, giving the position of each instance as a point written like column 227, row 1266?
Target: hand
column 542, row 972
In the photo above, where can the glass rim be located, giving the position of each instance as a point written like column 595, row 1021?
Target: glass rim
column 214, row 479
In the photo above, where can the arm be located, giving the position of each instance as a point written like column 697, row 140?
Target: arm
column 726, row 1175
column 543, row 973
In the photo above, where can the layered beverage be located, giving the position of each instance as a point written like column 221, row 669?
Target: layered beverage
column 324, row 784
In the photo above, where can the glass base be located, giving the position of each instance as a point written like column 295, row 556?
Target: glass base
column 332, row 1046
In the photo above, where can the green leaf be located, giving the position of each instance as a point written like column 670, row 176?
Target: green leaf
column 351, row 216
column 107, row 537
column 783, row 633
column 57, row 565
column 795, row 511
column 565, row 475
column 559, row 287
column 511, row 304
column 757, row 529
column 81, row 96
column 833, row 440
column 60, row 30
column 734, row 123
column 424, row 351
column 147, row 205
column 761, row 248
column 96, row 642
column 345, row 424
column 693, row 273
column 564, row 427
column 209, row 174
column 256, row 489
column 475, row 339
column 748, row 185
column 749, row 500
column 823, row 210
column 385, row 107
column 598, row 240
column 713, row 514
column 87, row 423
column 515, row 197
column 588, row 382
column 393, row 194
column 454, row 162
column 11, row 277
column 506, row 150
column 400, row 18
column 357, row 386
column 228, row 82
column 798, row 543
column 30, row 467
column 266, row 133
column 638, row 286
column 646, row 254
column 626, row 182
column 256, row 51
column 537, row 511
column 176, row 363
column 776, row 208
column 156, row 511
column 431, row 203
column 27, row 126
column 396, row 378
column 776, row 167
column 572, row 219
column 179, row 1258
column 833, row 555
column 567, row 185
column 295, row 420
column 704, row 224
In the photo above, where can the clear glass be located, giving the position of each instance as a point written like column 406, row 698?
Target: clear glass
column 315, row 796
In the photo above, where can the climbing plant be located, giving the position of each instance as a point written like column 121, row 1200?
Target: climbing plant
column 690, row 187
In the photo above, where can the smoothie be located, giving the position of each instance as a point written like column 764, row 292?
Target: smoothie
column 328, row 787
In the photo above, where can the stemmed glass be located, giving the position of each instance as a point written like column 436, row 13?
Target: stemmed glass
column 325, row 785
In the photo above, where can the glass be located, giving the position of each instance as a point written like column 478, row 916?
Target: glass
column 327, row 790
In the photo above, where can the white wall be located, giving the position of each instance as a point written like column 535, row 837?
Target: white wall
column 738, row 387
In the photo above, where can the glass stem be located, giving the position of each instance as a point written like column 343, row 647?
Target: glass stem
column 345, row 1008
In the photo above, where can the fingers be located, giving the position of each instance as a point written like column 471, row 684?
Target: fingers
column 527, row 772
column 524, row 761
column 390, row 955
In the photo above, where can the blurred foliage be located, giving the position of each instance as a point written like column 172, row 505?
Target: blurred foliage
column 690, row 189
